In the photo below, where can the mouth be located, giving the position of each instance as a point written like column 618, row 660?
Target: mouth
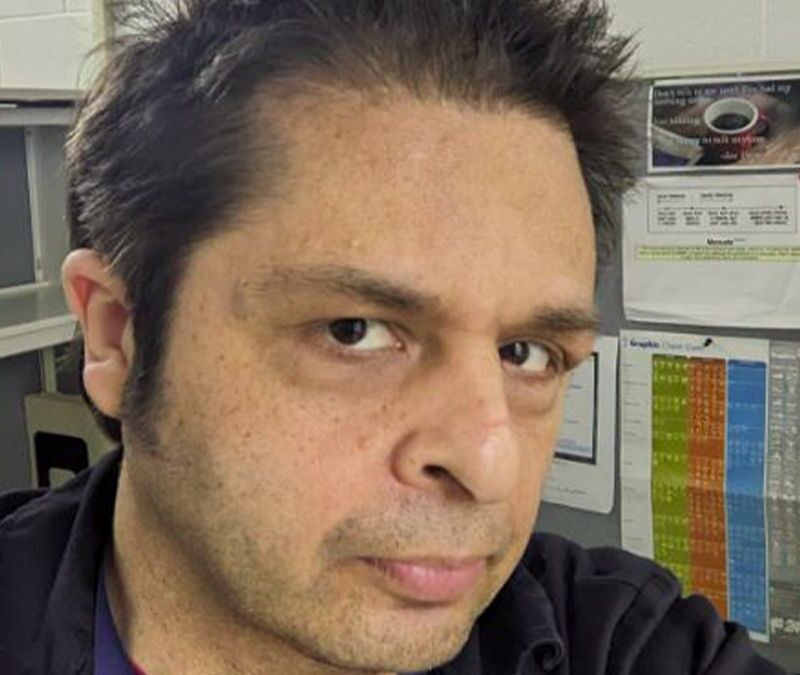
column 428, row 580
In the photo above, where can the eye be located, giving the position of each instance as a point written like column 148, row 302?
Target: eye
column 530, row 357
column 361, row 334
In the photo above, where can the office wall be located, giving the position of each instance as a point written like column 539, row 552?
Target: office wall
column 44, row 43
column 16, row 237
column 681, row 38
column 690, row 37
column 593, row 529
column 19, row 376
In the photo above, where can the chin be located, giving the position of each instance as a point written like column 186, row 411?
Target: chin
column 409, row 640
column 405, row 653
column 419, row 637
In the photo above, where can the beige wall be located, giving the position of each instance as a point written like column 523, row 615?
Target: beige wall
column 691, row 37
column 44, row 43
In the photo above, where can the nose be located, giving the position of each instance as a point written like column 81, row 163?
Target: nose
column 461, row 438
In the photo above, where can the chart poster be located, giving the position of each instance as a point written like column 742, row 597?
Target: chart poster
column 783, row 490
column 582, row 475
column 724, row 124
column 718, row 250
column 710, row 470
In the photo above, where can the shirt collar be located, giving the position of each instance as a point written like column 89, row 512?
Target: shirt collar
column 66, row 634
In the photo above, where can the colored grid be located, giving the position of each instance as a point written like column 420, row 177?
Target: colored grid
column 708, row 431
column 670, row 468
column 744, row 487
column 707, row 393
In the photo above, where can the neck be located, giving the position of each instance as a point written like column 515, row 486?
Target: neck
column 166, row 612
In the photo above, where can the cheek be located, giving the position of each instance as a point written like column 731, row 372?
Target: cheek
column 537, row 449
column 276, row 455
column 292, row 449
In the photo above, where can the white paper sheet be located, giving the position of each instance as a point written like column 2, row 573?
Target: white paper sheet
column 713, row 250
column 582, row 475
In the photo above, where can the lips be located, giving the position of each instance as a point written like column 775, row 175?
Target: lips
column 429, row 580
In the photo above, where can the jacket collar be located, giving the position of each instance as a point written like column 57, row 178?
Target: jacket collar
column 65, row 642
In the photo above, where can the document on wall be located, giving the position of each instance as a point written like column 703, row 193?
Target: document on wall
column 710, row 470
column 741, row 123
column 713, row 250
column 582, row 475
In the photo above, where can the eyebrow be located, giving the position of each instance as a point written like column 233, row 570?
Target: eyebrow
column 373, row 289
column 349, row 281
column 567, row 320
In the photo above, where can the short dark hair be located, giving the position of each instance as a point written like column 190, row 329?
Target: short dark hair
column 164, row 139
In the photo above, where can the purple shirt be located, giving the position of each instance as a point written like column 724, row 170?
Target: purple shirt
column 109, row 654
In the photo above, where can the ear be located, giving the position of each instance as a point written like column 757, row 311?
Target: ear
column 99, row 301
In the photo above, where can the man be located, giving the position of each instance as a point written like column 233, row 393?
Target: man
column 334, row 261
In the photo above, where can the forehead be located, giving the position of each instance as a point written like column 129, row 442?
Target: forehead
column 428, row 188
column 433, row 147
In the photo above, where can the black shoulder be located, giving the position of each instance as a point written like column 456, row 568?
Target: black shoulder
column 11, row 501
column 623, row 614
column 51, row 545
column 556, row 557
column 20, row 508
column 35, row 526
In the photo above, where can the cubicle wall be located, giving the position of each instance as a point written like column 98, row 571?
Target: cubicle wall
column 593, row 529
column 19, row 375
column 33, row 241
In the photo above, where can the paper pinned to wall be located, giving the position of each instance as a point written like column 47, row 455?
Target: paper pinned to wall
column 710, row 463
column 713, row 250
column 724, row 124
column 582, row 475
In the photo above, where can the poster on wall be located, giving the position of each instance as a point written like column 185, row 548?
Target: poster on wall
column 582, row 474
column 719, row 250
column 710, row 464
column 741, row 123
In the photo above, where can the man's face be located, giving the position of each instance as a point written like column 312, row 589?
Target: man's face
column 365, row 377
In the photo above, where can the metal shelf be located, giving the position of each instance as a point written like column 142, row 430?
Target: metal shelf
column 13, row 115
column 39, row 95
column 35, row 318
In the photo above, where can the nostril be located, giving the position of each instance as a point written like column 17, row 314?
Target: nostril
column 440, row 479
column 435, row 472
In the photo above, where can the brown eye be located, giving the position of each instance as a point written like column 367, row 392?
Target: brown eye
column 348, row 332
column 362, row 335
column 527, row 356
column 516, row 353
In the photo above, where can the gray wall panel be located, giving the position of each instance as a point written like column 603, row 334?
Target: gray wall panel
column 16, row 240
column 19, row 376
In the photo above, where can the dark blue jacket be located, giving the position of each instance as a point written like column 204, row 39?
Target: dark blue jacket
column 564, row 610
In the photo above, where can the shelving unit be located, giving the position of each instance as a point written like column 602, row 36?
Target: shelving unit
column 34, row 239
column 33, row 318
column 34, row 315
column 16, row 115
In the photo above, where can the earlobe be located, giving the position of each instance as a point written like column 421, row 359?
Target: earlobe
column 98, row 300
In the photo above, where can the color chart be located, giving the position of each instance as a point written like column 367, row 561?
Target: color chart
column 695, row 429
